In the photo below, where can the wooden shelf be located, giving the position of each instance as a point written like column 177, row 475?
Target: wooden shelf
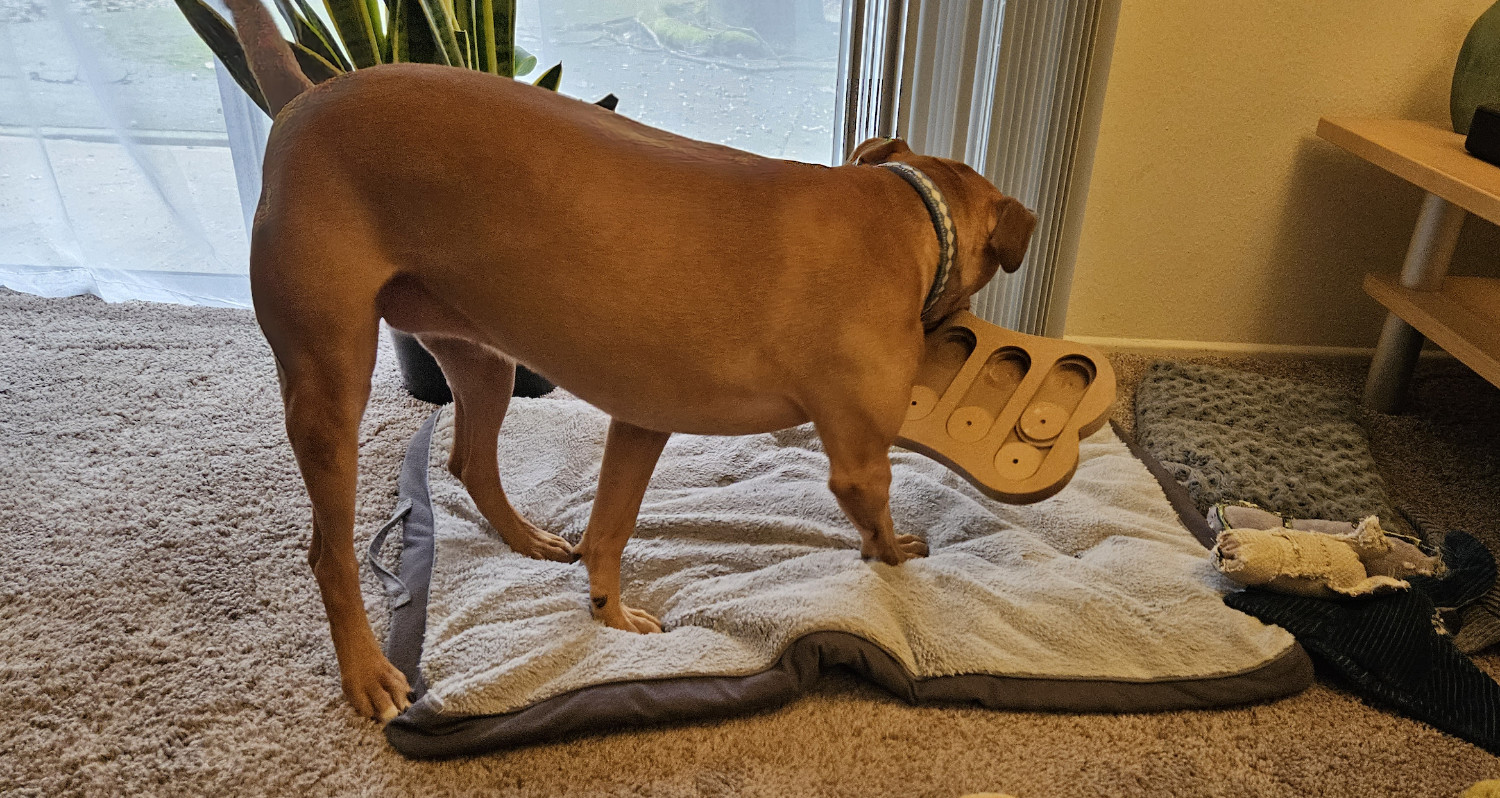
column 1463, row 317
column 1460, row 314
column 1428, row 156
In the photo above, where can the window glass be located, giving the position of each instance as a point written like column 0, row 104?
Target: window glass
column 758, row 75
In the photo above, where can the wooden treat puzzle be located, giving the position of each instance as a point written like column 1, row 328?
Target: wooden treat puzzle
column 1006, row 410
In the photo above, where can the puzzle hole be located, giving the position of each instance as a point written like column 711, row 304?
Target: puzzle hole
column 997, row 382
column 1061, row 392
column 943, row 359
column 1068, row 380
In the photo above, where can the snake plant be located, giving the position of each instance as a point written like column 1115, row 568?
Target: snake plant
column 473, row 34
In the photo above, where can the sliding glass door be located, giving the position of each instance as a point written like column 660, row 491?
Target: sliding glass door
column 758, row 75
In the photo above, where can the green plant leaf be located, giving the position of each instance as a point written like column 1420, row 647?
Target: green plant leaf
column 483, row 36
column 463, row 21
column 288, row 14
column 396, row 35
column 523, row 62
column 384, row 29
column 372, row 8
column 341, row 59
column 356, row 31
column 463, row 43
column 550, row 79
column 463, row 14
column 220, row 38
column 411, row 35
column 503, row 38
column 440, row 22
column 314, row 66
column 309, row 31
column 322, row 43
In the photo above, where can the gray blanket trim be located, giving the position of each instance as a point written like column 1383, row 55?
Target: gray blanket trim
column 1177, row 495
column 408, row 625
column 422, row 733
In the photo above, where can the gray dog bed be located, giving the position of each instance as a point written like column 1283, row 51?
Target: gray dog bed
column 1098, row 599
column 1286, row 446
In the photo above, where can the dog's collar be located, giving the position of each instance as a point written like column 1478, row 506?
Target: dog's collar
column 942, row 222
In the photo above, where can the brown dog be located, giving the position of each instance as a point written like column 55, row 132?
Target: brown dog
column 678, row 286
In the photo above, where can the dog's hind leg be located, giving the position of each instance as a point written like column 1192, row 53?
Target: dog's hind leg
column 325, row 353
column 481, row 380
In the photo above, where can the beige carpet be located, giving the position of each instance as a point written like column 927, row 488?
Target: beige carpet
column 160, row 633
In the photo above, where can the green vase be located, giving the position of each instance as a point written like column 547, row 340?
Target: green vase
column 1476, row 79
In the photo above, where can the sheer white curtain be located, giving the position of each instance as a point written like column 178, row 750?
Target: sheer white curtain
column 129, row 164
column 117, row 176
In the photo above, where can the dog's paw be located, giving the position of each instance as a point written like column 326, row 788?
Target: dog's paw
column 629, row 619
column 538, row 544
column 912, row 546
column 641, row 621
column 906, row 547
column 378, row 691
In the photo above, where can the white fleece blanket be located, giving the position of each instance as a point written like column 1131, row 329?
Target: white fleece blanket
column 740, row 550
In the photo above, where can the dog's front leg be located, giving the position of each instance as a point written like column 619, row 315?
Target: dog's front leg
column 859, row 466
column 630, row 455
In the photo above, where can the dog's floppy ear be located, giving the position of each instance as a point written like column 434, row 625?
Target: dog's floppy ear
column 879, row 150
column 1012, row 233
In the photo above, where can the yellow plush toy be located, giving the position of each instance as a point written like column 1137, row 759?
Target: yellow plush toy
column 1317, row 564
column 1489, row 788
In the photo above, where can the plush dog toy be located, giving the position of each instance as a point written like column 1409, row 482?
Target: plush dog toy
column 1361, row 562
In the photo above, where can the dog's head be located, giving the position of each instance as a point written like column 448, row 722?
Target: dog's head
column 993, row 229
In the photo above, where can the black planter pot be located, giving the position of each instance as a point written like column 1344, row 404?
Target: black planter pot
column 424, row 379
column 530, row 384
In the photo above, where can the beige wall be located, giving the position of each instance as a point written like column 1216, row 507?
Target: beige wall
column 1215, row 213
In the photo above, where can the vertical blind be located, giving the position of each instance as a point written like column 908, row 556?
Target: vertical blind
column 869, row 72
column 1012, row 87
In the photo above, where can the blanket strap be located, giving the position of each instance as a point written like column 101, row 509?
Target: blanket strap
column 394, row 587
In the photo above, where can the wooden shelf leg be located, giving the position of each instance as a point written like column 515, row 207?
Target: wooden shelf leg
column 1426, row 265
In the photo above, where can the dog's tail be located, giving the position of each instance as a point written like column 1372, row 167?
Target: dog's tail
column 270, row 57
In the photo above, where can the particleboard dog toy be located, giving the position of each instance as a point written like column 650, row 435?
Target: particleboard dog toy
column 1006, row 410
